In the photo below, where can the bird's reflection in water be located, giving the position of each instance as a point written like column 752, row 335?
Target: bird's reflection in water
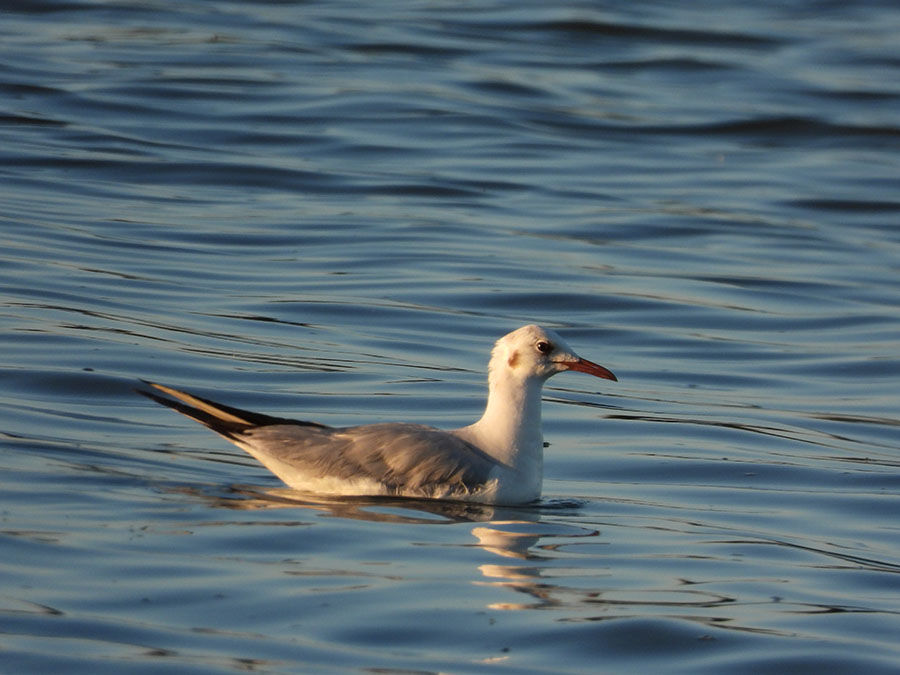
column 523, row 534
column 526, row 541
column 376, row 509
column 535, row 558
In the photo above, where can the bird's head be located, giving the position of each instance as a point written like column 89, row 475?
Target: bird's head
column 536, row 352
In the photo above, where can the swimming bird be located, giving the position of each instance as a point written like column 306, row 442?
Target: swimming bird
column 496, row 460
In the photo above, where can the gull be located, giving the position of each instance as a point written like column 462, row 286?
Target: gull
column 497, row 460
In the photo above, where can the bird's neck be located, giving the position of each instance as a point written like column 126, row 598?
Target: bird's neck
column 510, row 429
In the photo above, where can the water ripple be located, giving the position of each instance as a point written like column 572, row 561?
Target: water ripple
column 331, row 211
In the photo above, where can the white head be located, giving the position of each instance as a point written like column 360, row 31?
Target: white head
column 536, row 352
column 510, row 428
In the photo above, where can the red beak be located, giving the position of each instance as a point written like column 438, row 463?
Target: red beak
column 585, row 366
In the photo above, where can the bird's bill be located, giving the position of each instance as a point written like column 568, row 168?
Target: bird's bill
column 591, row 368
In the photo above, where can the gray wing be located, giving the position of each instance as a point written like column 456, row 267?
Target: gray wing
column 405, row 458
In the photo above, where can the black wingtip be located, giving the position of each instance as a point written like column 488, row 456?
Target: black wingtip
column 237, row 422
column 228, row 429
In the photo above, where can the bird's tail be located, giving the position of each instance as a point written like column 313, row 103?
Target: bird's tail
column 225, row 420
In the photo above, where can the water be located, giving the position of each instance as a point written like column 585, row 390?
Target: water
column 331, row 210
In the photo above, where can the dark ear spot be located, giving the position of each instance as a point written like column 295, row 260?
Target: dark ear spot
column 513, row 359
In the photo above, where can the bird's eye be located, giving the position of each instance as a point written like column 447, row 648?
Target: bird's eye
column 544, row 347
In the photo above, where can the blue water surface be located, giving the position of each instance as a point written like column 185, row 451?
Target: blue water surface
column 330, row 210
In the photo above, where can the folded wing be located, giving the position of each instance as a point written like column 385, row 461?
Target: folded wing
column 395, row 459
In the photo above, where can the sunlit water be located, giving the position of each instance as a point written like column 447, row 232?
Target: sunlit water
column 331, row 211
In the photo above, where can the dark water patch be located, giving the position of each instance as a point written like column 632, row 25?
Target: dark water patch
column 690, row 643
column 408, row 50
column 679, row 65
column 501, row 87
column 798, row 128
column 632, row 33
column 45, row 6
column 846, row 205
column 425, row 190
column 861, row 96
column 220, row 175
column 21, row 90
column 190, row 91
column 784, row 130
column 780, row 131
column 30, row 121
column 84, row 383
